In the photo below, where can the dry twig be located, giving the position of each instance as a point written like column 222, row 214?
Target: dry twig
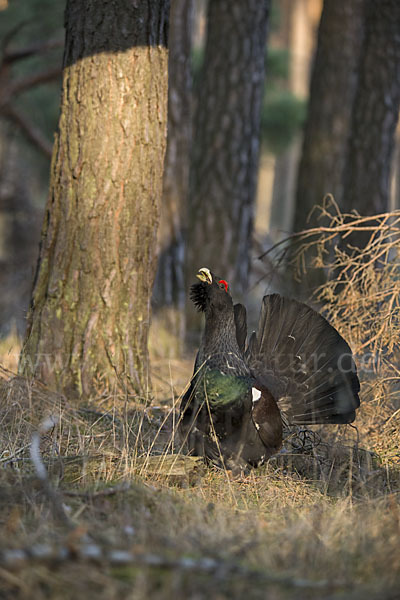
column 41, row 472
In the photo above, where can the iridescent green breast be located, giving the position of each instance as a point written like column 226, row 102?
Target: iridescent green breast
column 221, row 389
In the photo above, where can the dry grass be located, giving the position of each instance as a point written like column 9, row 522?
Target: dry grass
column 9, row 351
column 326, row 512
column 321, row 520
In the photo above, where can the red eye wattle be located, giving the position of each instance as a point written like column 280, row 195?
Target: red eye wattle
column 224, row 283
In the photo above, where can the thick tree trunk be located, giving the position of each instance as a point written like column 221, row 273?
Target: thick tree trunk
column 88, row 324
column 226, row 140
column 169, row 287
column 332, row 92
column 376, row 111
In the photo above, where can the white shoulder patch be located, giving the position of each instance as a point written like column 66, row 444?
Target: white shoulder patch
column 256, row 394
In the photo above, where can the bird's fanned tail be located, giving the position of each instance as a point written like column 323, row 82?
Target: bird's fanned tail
column 304, row 362
column 240, row 315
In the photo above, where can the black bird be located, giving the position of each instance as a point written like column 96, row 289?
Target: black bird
column 295, row 369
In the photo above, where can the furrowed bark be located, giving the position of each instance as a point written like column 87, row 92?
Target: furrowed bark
column 89, row 318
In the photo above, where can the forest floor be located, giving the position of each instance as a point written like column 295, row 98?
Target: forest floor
column 123, row 515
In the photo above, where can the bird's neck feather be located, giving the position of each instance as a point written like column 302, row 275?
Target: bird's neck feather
column 220, row 333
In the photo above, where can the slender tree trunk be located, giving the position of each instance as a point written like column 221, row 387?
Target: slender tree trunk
column 226, row 140
column 332, row 92
column 20, row 221
column 89, row 320
column 375, row 113
column 169, row 287
column 395, row 190
column 284, row 190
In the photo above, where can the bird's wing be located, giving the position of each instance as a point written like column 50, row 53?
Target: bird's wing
column 304, row 362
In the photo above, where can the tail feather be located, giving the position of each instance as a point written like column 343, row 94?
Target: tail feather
column 304, row 362
column 240, row 325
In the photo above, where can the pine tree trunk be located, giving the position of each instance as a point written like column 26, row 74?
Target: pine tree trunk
column 332, row 92
column 89, row 320
column 169, row 287
column 376, row 111
column 226, row 140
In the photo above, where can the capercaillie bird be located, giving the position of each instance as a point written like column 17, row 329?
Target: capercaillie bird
column 294, row 369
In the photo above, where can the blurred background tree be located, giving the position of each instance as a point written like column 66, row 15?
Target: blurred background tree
column 30, row 76
column 353, row 109
column 375, row 113
column 226, row 140
column 169, row 294
column 332, row 91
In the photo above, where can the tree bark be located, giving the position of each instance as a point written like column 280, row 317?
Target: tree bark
column 332, row 92
column 169, row 287
column 89, row 319
column 375, row 113
column 226, row 140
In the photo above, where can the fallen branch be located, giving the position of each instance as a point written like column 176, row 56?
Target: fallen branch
column 15, row 559
column 10, row 457
column 109, row 491
column 41, row 472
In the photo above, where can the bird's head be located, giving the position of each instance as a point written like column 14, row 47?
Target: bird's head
column 211, row 294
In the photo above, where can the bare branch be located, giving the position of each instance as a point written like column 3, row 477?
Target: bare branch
column 26, row 83
column 11, row 34
column 11, row 56
column 32, row 133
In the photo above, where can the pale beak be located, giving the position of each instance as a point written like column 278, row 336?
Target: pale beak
column 204, row 274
